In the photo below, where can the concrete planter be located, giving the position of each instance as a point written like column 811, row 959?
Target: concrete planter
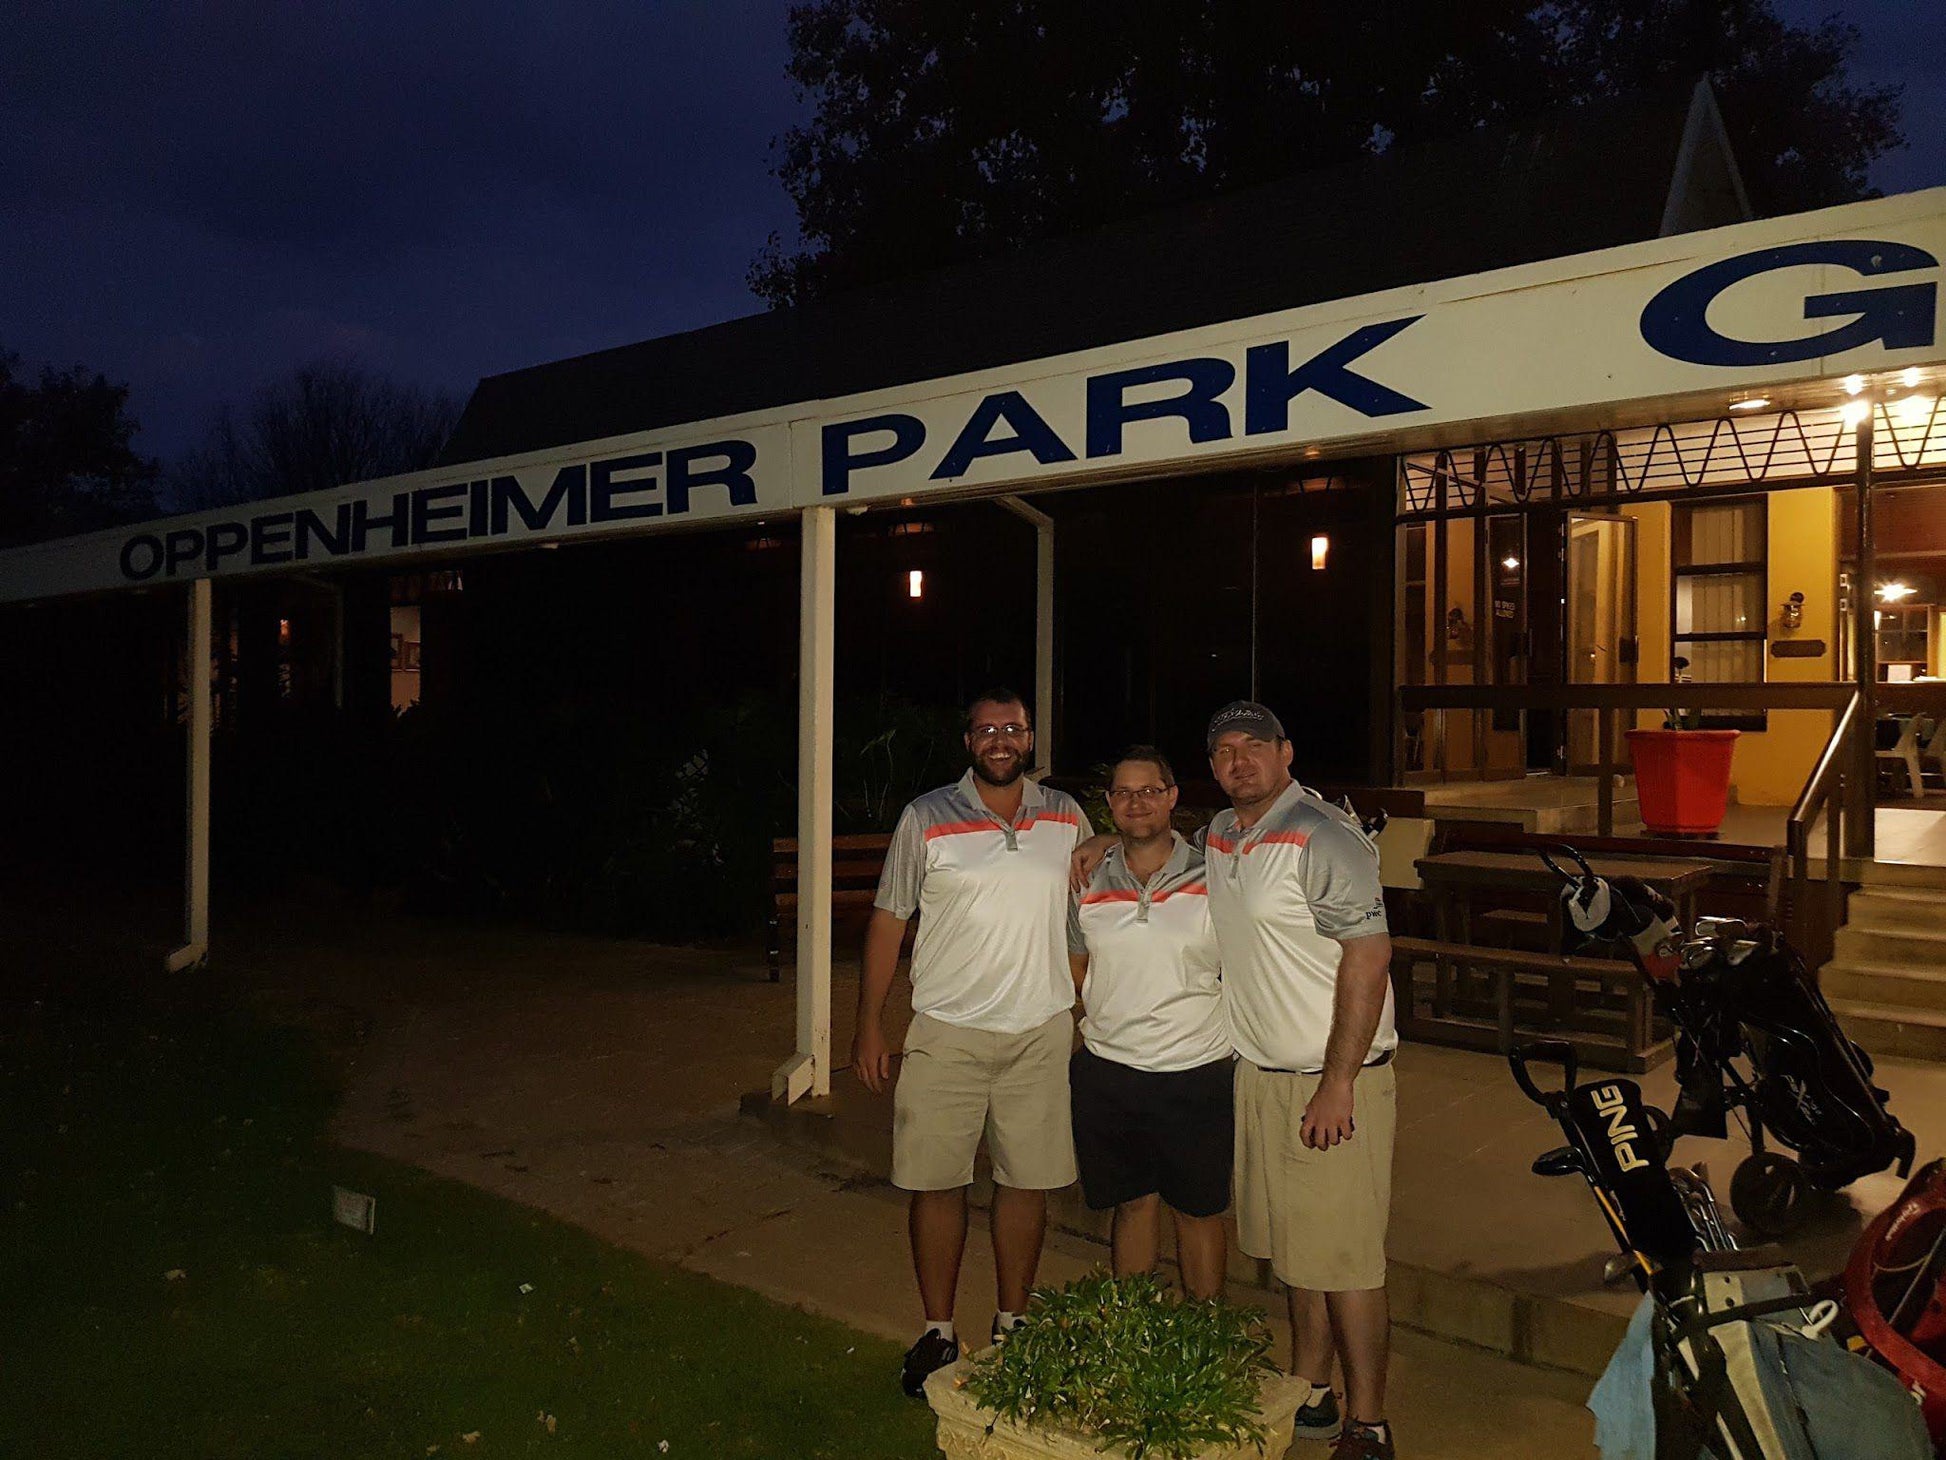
column 963, row 1432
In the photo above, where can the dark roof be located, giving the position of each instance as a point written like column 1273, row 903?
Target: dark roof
column 1592, row 177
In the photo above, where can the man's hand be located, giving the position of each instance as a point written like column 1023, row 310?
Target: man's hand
column 1087, row 857
column 1327, row 1119
column 871, row 1061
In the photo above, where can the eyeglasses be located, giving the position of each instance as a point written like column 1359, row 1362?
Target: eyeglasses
column 1136, row 793
column 1011, row 730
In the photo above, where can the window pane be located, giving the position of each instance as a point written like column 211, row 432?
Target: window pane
column 1726, row 603
column 1727, row 532
column 1720, row 662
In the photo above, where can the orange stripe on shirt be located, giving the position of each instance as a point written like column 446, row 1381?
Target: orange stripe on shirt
column 960, row 828
column 1269, row 838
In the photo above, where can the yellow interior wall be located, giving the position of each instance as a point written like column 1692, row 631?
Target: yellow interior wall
column 1652, row 626
column 1771, row 766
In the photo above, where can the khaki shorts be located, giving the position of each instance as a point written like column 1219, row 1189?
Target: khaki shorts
column 1319, row 1216
column 959, row 1084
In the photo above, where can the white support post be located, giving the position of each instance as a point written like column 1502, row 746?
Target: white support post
column 808, row 1071
column 1043, row 631
column 195, row 949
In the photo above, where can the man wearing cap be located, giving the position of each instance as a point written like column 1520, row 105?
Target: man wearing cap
column 984, row 864
column 1152, row 1082
column 1295, row 896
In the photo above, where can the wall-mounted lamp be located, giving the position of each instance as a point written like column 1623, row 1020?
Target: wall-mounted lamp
column 1854, row 384
column 1791, row 615
column 915, row 584
column 1895, row 592
column 1320, row 549
column 1510, row 563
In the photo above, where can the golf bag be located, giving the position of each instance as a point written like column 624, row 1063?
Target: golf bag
column 1729, row 1355
column 1738, row 991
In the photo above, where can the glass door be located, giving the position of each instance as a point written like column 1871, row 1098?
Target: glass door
column 1601, row 646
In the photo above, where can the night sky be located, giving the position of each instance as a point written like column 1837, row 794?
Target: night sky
column 194, row 198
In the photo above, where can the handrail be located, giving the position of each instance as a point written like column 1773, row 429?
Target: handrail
column 1825, row 791
column 1805, row 809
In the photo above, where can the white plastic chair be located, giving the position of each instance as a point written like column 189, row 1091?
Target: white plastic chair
column 1905, row 750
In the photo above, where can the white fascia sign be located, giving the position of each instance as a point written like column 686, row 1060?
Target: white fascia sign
column 1763, row 304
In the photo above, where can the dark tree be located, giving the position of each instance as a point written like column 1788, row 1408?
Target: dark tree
column 66, row 462
column 323, row 425
column 948, row 129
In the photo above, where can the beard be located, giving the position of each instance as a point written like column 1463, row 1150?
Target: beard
column 1003, row 779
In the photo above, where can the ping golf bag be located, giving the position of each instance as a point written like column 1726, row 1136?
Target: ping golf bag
column 1729, row 1355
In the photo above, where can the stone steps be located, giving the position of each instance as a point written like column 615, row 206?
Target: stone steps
column 1908, row 946
column 1862, row 981
column 1896, row 908
column 1887, row 976
column 1897, row 1029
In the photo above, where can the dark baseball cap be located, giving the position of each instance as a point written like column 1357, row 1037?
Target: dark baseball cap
column 1245, row 715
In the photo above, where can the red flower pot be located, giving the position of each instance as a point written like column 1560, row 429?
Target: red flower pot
column 1682, row 778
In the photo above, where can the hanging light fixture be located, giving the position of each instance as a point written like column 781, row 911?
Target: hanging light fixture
column 1320, row 549
column 915, row 583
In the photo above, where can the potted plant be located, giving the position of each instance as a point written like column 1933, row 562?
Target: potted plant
column 1120, row 1366
column 1682, row 771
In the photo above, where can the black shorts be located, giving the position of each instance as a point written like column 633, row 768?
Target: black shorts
column 1143, row 1131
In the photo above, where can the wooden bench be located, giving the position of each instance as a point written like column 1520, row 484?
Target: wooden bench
column 1494, row 961
column 856, row 862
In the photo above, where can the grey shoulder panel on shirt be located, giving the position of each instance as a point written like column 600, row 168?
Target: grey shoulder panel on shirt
column 1340, row 876
column 905, row 862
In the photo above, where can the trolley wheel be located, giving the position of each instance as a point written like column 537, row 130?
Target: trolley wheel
column 1768, row 1192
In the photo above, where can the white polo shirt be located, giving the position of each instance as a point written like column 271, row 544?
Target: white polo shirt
column 1154, row 992
column 992, row 899
column 1283, row 896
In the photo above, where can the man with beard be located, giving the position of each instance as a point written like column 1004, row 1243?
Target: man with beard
column 984, row 863
column 1300, row 917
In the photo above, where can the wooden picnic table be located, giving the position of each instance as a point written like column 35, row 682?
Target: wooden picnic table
column 1459, row 884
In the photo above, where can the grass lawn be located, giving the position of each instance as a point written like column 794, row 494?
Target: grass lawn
column 171, row 1283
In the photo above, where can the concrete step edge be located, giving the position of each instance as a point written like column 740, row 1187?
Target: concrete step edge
column 1893, row 924
column 1868, row 968
column 1903, row 934
column 1910, row 896
column 1865, row 1009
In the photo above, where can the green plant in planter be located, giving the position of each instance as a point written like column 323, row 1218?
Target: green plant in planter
column 1130, row 1361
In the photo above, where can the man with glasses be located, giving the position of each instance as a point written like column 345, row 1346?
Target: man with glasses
column 984, row 864
column 1300, row 916
column 1152, row 1081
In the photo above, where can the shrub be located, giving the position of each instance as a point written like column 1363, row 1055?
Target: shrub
column 1130, row 1362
